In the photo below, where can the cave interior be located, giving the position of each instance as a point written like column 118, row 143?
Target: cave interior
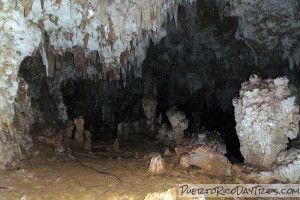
column 193, row 102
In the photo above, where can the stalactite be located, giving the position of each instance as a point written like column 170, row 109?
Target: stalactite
column 221, row 5
column 254, row 54
column 175, row 13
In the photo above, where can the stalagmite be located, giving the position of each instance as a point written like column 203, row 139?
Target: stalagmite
column 167, row 152
column 266, row 115
column 178, row 122
column 69, row 129
column 123, row 131
column 88, row 140
column 149, row 106
column 116, row 146
column 79, row 132
column 157, row 165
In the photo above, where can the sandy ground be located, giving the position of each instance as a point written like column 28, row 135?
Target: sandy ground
column 58, row 176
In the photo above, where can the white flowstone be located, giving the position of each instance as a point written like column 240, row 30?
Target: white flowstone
column 266, row 116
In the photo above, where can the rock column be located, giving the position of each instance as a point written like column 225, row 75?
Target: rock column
column 79, row 134
column 266, row 116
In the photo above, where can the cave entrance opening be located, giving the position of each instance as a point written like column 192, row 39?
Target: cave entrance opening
column 57, row 101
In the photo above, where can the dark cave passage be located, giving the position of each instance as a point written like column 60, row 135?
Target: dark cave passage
column 103, row 104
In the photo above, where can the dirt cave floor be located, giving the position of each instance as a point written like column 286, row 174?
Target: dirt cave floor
column 61, row 176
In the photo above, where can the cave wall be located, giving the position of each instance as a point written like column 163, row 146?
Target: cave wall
column 49, row 111
column 269, row 28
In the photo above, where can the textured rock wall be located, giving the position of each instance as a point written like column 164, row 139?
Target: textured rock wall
column 266, row 116
column 17, row 140
column 49, row 111
column 269, row 28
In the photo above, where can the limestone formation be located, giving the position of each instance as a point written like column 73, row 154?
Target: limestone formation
column 266, row 116
column 180, row 149
column 170, row 194
column 79, row 132
column 16, row 143
column 87, row 140
column 167, row 152
column 69, row 129
column 184, row 160
column 209, row 138
column 60, row 149
column 178, row 122
column 149, row 106
column 287, row 167
column 115, row 145
column 159, row 119
column 123, row 131
column 59, row 137
column 256, row 25
column 210, row 161
column 126, row 130
column 136, row 155
column 157, row 165
column 253, row 174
